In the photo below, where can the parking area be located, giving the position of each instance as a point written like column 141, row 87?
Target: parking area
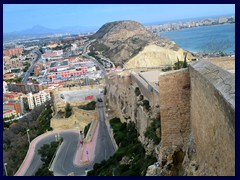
column 79, row 95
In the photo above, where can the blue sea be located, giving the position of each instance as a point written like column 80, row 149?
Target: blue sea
column 199, row 38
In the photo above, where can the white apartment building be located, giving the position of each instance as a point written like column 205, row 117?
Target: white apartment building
column 30, row 101
column 5, row 88
column 37, row 99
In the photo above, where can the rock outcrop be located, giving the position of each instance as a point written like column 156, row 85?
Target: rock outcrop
column 130, row 44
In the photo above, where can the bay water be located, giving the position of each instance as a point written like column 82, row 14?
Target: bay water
column 198, row 39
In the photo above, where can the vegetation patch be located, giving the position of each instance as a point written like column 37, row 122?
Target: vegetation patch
column 181, row 64
column 130, row 158
column 89, row 106
column 16, row 80
column 47, row 152
column 151, row 131
column 68, row 110
column 169, row 68
column 27, row 65
column 15, row 139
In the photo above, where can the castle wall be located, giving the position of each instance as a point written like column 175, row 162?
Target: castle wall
column 197, row 112
column 213, row 118
column 127, row 105
column 174, row 88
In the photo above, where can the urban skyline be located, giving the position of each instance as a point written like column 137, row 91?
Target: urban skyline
column 17, row 17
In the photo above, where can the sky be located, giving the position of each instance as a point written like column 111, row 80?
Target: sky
column 24, row 16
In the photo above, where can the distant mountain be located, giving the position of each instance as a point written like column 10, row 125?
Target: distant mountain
column 38, row 31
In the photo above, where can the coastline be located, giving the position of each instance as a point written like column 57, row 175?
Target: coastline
column 197, row 39
column 195, row 27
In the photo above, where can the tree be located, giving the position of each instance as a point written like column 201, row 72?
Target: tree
column 68, row 110
column 185, row 65
column 90, row 106
column 177, row 64
column 47, row 152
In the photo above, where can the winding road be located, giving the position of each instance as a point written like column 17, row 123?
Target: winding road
column 64, row 163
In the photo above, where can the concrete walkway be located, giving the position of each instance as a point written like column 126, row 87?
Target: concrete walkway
column 89, row 148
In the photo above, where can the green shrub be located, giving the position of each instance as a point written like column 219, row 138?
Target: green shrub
column 90, row 106
column 129, row 147
column 169, row 68
column 150, row 132
column 68, row 110
column 47, row 152
column 185, row 61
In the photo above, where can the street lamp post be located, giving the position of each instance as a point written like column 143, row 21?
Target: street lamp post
column 5, row 168
column 28, row 136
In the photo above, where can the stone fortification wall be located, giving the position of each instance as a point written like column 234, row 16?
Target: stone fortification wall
column 213, row 118
column 147, row 90
column 121, row 97
column 141, row 84
column 174, row 88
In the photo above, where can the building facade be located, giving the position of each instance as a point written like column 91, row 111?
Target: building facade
column 11, row 52
column 37, row 99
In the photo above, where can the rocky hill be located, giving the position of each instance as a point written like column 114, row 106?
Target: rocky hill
column 122, row 42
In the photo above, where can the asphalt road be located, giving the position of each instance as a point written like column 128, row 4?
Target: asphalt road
column 104, row 147
column 99, row 65
column 63, row 163
column 36, row 161
column 85, row 51
column 30, row 69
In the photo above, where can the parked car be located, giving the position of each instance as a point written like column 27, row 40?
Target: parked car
column 99, row 100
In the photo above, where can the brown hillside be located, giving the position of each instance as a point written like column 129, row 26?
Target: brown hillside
column 120, row 41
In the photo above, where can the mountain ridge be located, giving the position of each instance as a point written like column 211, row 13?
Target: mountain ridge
column 39, row 30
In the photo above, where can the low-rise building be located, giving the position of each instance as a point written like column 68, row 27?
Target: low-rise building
column 24, row 87
column 9, row 113
column 57, row 54
column 13, row 105
column 9, row 76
